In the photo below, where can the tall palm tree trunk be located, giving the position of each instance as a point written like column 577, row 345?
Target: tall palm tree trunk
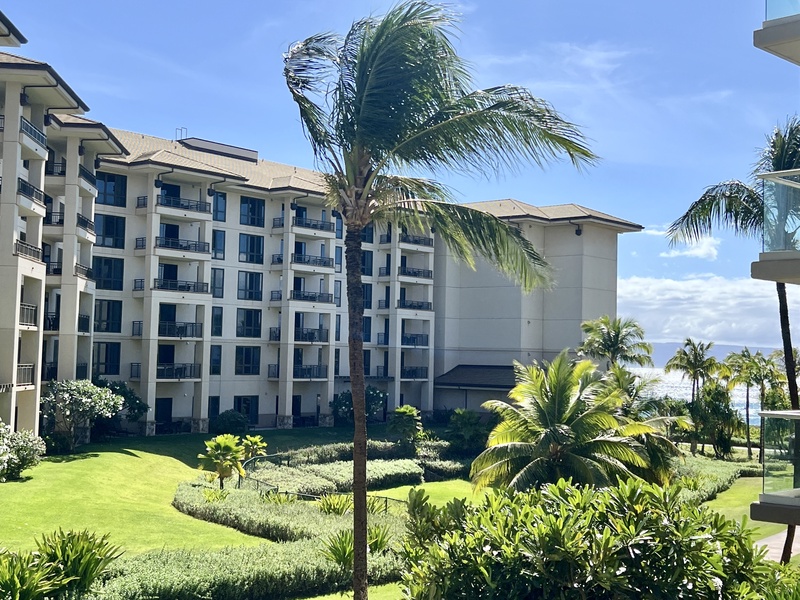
column 355, row 314
column 747, row 422
column 692, row 411
column 791, row 380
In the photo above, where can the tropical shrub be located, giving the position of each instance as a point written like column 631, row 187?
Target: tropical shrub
column 438, row 470
column 630, row 541
column 335, row 504
column 339, row 549
column 19, row 450
column 290, row 479
column 252, row 446
column 406, row 424
column 78, row 558
column 229, row 421
column 381, row 474
column 223, row 456
column 467, row 433
column 327, row 453
column 133, row 407
column 703, row 478
column 24, row 577
column 342, row 405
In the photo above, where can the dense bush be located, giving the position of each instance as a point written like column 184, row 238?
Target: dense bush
column 229, row 421
column 438, row 470
column 406, row 424
column 381, row 474
column 467, row 432
column 19, row 450
column 632, row 541
column 328, row 453
column 342, row 405
column 290, row 479
column 703, row 478
column 274, row 571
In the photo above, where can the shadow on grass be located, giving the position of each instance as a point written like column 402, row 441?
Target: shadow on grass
column 66, row 458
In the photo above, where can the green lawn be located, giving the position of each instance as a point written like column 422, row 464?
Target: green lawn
column 734, row 503
column 440, row 492
column 390, row 591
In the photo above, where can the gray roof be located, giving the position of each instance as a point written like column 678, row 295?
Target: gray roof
column 14, row 61
column 11, row 29
column 488, row 377
column 514, row 209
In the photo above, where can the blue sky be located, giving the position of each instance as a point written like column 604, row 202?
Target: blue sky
column 673, row 96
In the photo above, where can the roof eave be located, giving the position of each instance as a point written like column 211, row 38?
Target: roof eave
column 12, row 29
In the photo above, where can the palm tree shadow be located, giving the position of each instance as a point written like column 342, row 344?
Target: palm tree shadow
column 67, row 458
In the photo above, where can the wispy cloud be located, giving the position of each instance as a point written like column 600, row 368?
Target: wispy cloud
column 705, row 248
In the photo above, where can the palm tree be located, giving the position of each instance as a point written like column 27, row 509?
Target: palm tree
column 765, row 373
column 393, row 96
column 741, row 366
column 559, row 425
column 223, row 456
column 615, row 340
column 693, row 362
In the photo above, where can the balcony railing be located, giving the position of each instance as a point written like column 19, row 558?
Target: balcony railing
column 386, row 238
column 32, row 132
column 274, row 334
column 84, row 271
column 414, row 304
column 30, row 191
column 383, row 304
column 178, row 371
column 24, row 249
column 277, row 222
column 184, row 204
column 781, row 212
column 107, row 326
column 249, row 294
column 53, row 268
column 84, row 323
column 141, row 202
column 27, row 314
column 310, row 371
column 304, row 334
column 177, row 244
column 273, row 371
column 25, row 374
column 178, row 285
column 87, row 175
column 2, row 122
column 136, row 370
column 383, row 272
column 137, row 327
column 54, row 218
column 413, row 272
column 314, row 261
column 383, row 339
column 414, row 373
column 277, row 259
column 85, row 223
column 366, row 270
column 180, row 329
column 138, row 285
column 50, row 371
column 418, row 240
column 105, row 368
column 312, row 224
column 276, row 295
column 51, row 321
column 81, row 370
column 414, row 339
column 311, row 296
column 56, row 169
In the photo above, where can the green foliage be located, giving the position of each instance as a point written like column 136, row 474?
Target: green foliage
column 78, row 558
column 467, row 432
column 437, row 470
column 327, row 453
column 229, row 421
column 24, row 577
column 223, row 456
column 617, row 341
column 215, row 495
column 73, row 403
column 720, row 421
column 701, row 478
column 335, row 504
column 19, row 450
column 631, row 541
column 291, row 479
column 406, row 424
column 57, row 443
column 252, row 446
column 342, row 405
column 135, row 408
column 339, row 549
column 273, row 497
column 379, row 538
column 381, row 474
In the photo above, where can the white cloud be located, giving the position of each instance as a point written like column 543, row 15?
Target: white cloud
column 705, row 248
column 708, row 307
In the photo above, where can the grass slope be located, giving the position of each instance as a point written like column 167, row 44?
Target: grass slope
column 734, row 503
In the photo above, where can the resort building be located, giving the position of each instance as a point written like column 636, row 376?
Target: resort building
column 210, row 279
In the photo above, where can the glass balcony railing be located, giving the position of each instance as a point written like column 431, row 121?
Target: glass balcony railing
column 778, row 9
column 781, row 212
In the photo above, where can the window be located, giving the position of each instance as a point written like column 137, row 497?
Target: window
column 337, row 292
column 367, row 295
column 338, row 327
column 248, row 406
column 248, row 322
column 337, row 261
column 367, row 355
column 108, row 316
column 108, row 272
column 336, row 360
column 216, row 320
column 105, row 358
column 215, row 359
column 110, row 231
column 218, row 244
column 250, row 286
column 366, row 262
column 251, row 211
column 339, row 228
column 248, row 360
column 367, row 328
column 217, row 283
column 220, row 204
column 251, row 248
column 111, row 189
column 368, row 234
column 213, row 407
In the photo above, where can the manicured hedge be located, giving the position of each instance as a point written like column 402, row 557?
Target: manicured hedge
column 274, row 571
column 703, row 478
column 292, row 479
column 439, row 470
column 381, row 474
column 329, row 453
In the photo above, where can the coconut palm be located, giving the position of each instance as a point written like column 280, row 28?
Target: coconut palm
column 558, row 425
column 765, row 374
column 223, row 455
column 693, row 361
column 616, row 341
column 741, row 365
column 391, row 97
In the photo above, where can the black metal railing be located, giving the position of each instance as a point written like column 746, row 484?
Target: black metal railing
column 249, row 294
column 84, row 271
column 311, row 296
column 138, row 285
column 277, row 259
column 141, row 243
column 105, row 368
column 2, row 122
column 414, row 373
column 178, row 371
column 137, row 328
column 84, row 323
column 418, row 240
column 383, row 272
column 24, row 249
column 86, row 174
column 141, row 202
column 32, row 131
column 386, row 238
column 276, row 295
column 81, row 370
column 383, row 304
column 305, row 334
column 25, row 374
column 178, row 244
column 85, row 223
column 30, row 191
column 56, row 169
column 50, row 371
column 383, row 339
column 136, row 370
column 414, row 272
column 184, row 204
column 107, row 326
column 180, row 329
column 312, row 224
column 277, row 222
column 273, row 371
column 54, row 218
column 414, row 339
column 310, row 371
column 52, row 321
column 179, row 285
column 27, row 314
column 274, row 334
column 53, row 268
column 314, row 261
column 415, row 304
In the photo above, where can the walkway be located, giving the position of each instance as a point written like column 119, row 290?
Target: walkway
column 774, row 544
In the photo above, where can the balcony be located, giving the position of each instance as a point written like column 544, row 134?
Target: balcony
column 277, row 259
column 180, row 329
column 273, row 371
column 30, row 191
column 386, row 238
column 414, row 373
column 23, row 249
column 780, row 258
column 382, row 372
column 311, row 296
column 136, row 328
column 50, row 371
column 780, row 32
column 177, row 285
column 33, row 132
column 383, row 272
column 53, row 268
column 383, row 339
column 414, row 305
column 199, row 206
column 311, row 224
column 86, row 224
column 87, row 175
column 84, row 323
column 416, row 240
column 303, row 334
column 27, row 315
column 383, row 304
column 56, row 169
column 136, row 370
column 274, row 334
column 413, row 272
column 178, row 371
column 176, row 244
column 275, row 295
column 55, row 219
column 25, row 374
column 310, row 371
column 51, row 321
column 415, row 339
column 105, row 368
column 312, row 261
column 107, row 326
column 84, row 271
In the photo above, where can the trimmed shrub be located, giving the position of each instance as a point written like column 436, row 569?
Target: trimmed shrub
column 439, row 470
column 328, row 453
column 229, row 421
column 381, row 474
column 432, row 450
column 19, row 450
column 703, row 478
column 291, row 479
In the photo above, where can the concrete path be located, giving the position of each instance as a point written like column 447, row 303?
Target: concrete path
column 774, row 544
